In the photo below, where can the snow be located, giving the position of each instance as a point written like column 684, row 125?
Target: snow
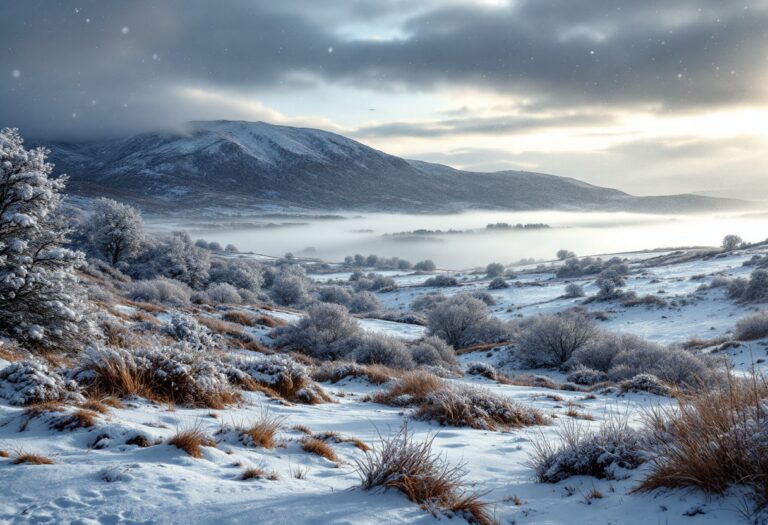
column 114, row 482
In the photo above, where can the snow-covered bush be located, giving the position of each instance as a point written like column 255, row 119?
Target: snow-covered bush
column 31, row 381
column 183, row 327
column 573, row 267
column 372, row 281
column 160, row 290
column 115, row 232
column 645, row 383
column 441, row 281
column 240, row 273
column 609, row 282
column 756, row 290
column 223, row 293
column 425, row 266
column 291, row 380
column 379, row 349
column 462, row 320
column 753, row 326
column 581, row 375
column 326, row 332
column 41, row 299
column 498, row 283
column 465, row 406
column 433, row 351
column 551, row 340
column 175, row 257
column 579, row 452
column 335, row 294
column 427, row 301
column 481, row 368
column 290, row 286
column 564, row 254
column 494, row 269
column 363, row 302
column 599, row 352
column 672, row 365
column 177, row 374
column 573, row 290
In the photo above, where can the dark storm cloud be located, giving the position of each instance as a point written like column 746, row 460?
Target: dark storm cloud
column 102, row 67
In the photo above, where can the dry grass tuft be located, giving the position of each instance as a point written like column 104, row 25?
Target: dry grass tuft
column 269, row 322
column 411, row 467
column 140, row 441
column 713, row 439
column 335, row 371
column 191, row 440
column 4, row 454
column 320, row 448
column 338, row 438
column 302, row 428
column 9, row 353
column 30, row 459
column 220, row 326
column 78, row 419
column 239, row 317
column 413, row 387
column 262, row 433
column 575, row 414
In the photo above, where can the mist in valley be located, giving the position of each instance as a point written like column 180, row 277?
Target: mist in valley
column 462, row 240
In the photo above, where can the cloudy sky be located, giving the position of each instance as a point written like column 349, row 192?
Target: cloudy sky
column 652, row 96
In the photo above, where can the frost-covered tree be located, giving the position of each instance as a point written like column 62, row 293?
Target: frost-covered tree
column 180, row 259
column 565, row 254
column 116, row 231
column 41, row 300
column 494, row 269
column 731, row 242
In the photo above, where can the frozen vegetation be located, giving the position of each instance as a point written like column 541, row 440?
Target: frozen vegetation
column 154, row 377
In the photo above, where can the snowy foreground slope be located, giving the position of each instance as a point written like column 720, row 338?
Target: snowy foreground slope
column 97, row 477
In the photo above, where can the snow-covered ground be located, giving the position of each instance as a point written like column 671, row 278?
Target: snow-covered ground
column 97, row 478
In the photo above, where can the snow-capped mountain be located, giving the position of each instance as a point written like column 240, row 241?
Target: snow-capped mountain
column 254, row 164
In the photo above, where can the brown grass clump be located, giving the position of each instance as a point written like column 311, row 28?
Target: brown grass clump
column 269, row 322
column 411, row 467
column 147, row 307
column 4, row 454
column 31, row 459
column 140, row 441
column 575, row 414
column 221, row 327
column 320, row 448
column 95, row 405
column 338, row 438
column 411, row 388
column 78, row 419
column 335, row 371
column 713, row 439
column 10, row 354
column 239, row 317
column 190, row 440
column 262, row 433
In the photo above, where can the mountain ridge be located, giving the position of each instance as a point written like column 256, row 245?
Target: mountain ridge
column 256, row 165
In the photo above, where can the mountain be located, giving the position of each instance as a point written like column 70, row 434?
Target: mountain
column 233, row 164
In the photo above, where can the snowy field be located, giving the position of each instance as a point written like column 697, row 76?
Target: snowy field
column 97, row 477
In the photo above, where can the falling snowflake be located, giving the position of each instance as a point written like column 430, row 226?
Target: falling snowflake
column 330, row 50
column 125, row 30
column 15, row 73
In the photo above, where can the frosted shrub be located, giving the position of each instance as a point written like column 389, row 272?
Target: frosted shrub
column 31, row 381
column 433, row 351
column 441, row 281
column 290, row 286
column 498, row 283
column 378, row 349
column 609, row 282
column 183, row 327
column 753, row 326
column 645, row 383
column 579, row 452
column 464, row 406
column 240, row 273
column 551, row 340
column 481, row 368
column 363, row 302
column 175, row 374
column 672, row 365
column 223, row 293
column 462, row 320
column 573, row 290
column 41, row 299
column 581, row 375
column 178, row 258
column 599, row 352
column 335, row 294
column 756, row 290
column 425, row 266
column 494, row 269
column 326, row 332
column 291, row 380
column 427, row 301
column 160, row 290
column 374, row 282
